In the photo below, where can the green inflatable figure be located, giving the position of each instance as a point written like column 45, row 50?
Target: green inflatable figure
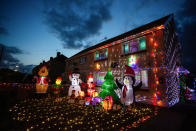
column 108, row 87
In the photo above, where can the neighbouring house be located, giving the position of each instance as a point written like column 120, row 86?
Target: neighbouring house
column 152, row 50
column 56, row 67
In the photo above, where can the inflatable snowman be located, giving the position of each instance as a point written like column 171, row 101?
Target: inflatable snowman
column 128, row 88
column 75, row 83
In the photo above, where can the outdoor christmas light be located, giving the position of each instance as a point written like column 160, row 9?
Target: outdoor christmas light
column 108, row 87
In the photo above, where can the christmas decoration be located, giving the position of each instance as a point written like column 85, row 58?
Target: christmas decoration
column 58, row 86
column 81, row 94
column 108, row 87
column 91, row 85
column 95, row 94
column 107, row 103
column 96, row 100
column 128, row 96
column 45, row 114
column 75, row 81
column 87, row 101
column 182, row 85
column 42, row 82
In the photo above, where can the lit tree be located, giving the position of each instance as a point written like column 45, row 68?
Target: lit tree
column 108, row 87
column 182, row 84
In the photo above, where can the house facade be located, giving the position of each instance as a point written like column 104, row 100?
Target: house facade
column 152, row 50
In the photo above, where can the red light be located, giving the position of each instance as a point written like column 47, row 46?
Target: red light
column 155, row 44
column 158, row 93
column 152, row 54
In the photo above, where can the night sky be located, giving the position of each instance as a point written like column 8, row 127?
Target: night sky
column 34, row 30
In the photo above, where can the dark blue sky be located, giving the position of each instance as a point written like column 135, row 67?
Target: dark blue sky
column 33, row 30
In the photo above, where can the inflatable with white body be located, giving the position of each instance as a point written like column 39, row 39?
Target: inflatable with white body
column 128, row 87
column 75, row 83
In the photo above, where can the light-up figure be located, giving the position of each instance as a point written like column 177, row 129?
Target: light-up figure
column 108, row 87
column 75, row 81
column 58, row 85
column 128, row 88
column 42, row 82
column 91, row 86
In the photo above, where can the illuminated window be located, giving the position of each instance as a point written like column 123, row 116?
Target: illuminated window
column 144, row 78
column 142, row 44
column 133, row 46
column 102, row 54
column 106, row 52
column 99, row 78
column 142, row 75
column 96, row 55
column 126, row 48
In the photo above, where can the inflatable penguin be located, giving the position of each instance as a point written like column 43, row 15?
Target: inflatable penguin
column 75, row 83
column 128, row 87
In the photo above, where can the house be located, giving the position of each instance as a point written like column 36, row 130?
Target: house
column 152, row 50
column 56, row 67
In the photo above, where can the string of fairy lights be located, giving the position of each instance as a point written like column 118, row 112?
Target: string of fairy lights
column 172, row 47
column 50, row 114
column 164, row 60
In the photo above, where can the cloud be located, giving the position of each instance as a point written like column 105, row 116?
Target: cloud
column 8, row 60
column 74, row 21
column 186, row 25
column 8, row 52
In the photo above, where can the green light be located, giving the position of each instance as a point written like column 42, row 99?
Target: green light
column 142, row 44
column 126, row 48
column 132, row 60
column 101, row 77
column 96, row 55
column 106, row 52
column 108, row 87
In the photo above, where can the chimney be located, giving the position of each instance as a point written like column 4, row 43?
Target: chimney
column 58, row 54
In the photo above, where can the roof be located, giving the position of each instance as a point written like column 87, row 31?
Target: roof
column 158, row 22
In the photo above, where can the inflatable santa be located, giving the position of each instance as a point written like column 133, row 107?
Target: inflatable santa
column 75, row 83
column 128, row 87
column 91, row 86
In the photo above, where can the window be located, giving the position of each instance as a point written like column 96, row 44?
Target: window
column 126, row 48
column 144, row 78
column 99, row 78
column 133, row 46
column 82, row 60
column 106, row 52
column 142, row 44
column 142, row 75
column 96, row 55
column 102, row 54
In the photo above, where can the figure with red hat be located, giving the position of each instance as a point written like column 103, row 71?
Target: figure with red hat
column 57, row 86
column 128, row 87
column 91, row 85
column 75, row 82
